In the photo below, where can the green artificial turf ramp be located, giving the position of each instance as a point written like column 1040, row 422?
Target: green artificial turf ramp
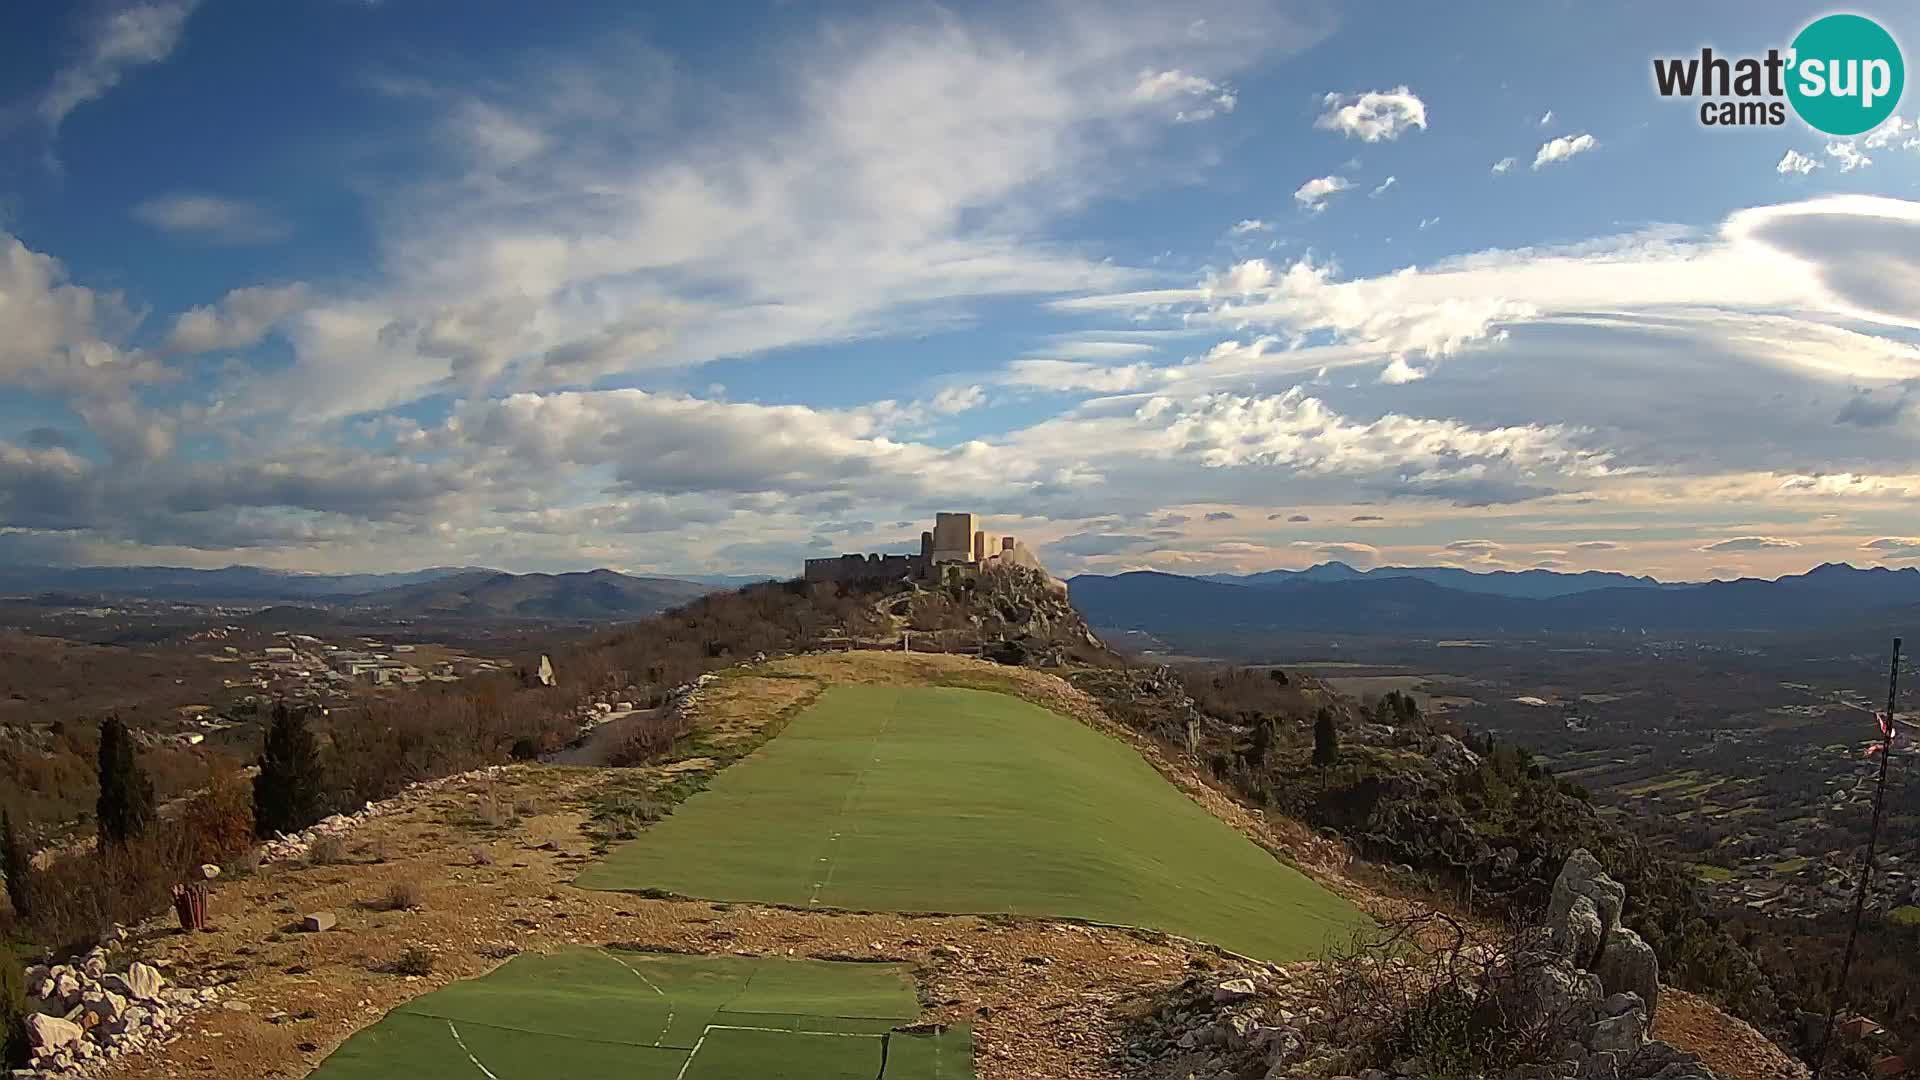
column 924, row 799
column 609, row 1014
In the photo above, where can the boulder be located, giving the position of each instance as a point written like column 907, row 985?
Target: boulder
column 318, row 921
column 1627, row 965
column 1583, row 876
column 143, row 982
column 1552, row 990
column 1576, row 935
column 1234, row 991
column 1620, row 1032
column 47, row 1033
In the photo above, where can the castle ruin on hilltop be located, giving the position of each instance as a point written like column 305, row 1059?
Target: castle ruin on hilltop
column 955, row 544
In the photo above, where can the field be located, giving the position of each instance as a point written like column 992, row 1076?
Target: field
column 647, row 1016
column 963, row 801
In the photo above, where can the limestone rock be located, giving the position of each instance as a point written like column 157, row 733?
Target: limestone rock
column 1627, row 965
column 1583, row 876
column 143, row 982
column 51, row 1033
column 1622, row 1031
column 1576, row 935
column 1233, row 991
column 318, row 921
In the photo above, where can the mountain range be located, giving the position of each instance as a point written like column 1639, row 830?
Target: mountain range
column 1448, row 600
column 464, row 592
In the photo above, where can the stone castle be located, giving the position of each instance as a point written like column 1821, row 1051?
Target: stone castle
column 956, row 543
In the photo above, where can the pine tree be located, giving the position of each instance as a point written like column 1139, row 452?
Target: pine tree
column 288, row 794
column 14, row 1048
column 17, row 863
column 126, row 805
column 1326, row 739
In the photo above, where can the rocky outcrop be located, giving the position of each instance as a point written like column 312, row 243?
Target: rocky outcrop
column 1583, row 989
column 86, row 1012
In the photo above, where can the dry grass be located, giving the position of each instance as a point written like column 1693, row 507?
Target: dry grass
column 405, row 895
column 327, row 851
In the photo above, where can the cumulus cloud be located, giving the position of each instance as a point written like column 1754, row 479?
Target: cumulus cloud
column 1894, row 130
column 210, row 217
column 241, row 318
column 1373, row 115
column 1504, row 164
column 1398, row 372
column 1748, row 543
column 1793, row 161
column 1562, row 148
column 1848, row 155
column 1314, row 193
column 123, row 38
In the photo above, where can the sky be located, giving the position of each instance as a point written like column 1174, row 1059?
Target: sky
column 332, row 285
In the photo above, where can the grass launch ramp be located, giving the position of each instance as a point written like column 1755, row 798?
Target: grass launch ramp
column 608, row 1014
column 921, row 799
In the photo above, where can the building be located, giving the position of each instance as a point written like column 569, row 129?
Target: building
column 956, row 540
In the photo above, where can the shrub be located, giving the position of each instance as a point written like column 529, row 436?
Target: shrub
column 524, row 749
column 219, row 820
column 126, row 804
column 17, row 863
column 405, row 896
column 13, row 1011
column 416, row 960
column 289, row 793
column 652, row 738
column 624, row 814
column 1326, row 739
column 493, row 811
column 327, row 851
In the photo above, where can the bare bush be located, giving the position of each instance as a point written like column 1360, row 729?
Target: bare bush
column 650, row 740
column 327, row 850
column 416, row 960
column 405, row 895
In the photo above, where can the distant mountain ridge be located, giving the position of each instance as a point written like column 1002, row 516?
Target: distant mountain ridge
column 1363, row 604
column 493, row 594
column 1534, row 584
column 226, row 583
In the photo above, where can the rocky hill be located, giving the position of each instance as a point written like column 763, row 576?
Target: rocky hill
column 595, row 595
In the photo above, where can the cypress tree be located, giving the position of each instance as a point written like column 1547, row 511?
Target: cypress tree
column 126, row 805
column 14, row 1049
column 1326, row 739
column 17, row 863
column 288, row 794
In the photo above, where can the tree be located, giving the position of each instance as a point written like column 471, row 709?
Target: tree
column 126, row 805
column 1256, row 754
column 289, row 794
column 14, row 1048
column 17, row 863
column 1326, row 739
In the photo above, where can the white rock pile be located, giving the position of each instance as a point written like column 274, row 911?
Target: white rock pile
column 86, row 1013
column 285, row 848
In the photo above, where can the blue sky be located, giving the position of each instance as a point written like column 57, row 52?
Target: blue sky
column 337, row 285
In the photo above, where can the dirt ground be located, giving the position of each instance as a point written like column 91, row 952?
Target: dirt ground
column 1046, row 999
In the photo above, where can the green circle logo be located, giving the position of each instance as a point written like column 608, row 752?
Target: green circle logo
column 1846, row 74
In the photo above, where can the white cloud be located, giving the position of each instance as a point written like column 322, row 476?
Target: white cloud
column 1199, row 98
column 1429, row 222
column 1503, row 165
column 242, row 318
column 959, row 399
column 1314, row 193
column 1748, row 543
column 1892, row 129
column 1382, row 189
column 1793, row 161
column 1250, row 225
column 211, row 217
column 123, row 38
column 1562, row 148
column 1894, row 548
column 1373, row 115
column 1398, row 372
column 1064, row 375
column 1848, row 155
column 1546, row 118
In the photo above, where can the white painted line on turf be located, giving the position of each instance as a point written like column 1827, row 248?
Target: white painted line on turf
column 668, row 1027
column 710, row 1028
column 484, row 1071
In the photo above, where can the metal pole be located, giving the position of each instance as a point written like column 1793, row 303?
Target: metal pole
column 1866, row 866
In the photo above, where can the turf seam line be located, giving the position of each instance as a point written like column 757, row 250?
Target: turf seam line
column 530, row 1031
column 484, row 1071
column 668, row 1026
column 853, row 791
